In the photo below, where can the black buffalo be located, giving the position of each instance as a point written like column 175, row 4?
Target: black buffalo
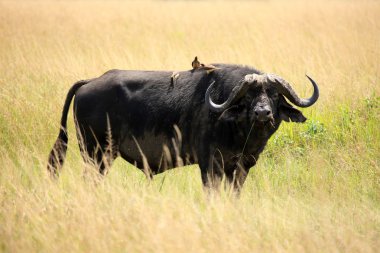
column 158, row 120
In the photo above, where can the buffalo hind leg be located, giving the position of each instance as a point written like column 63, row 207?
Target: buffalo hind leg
column 103, row 160
column 97, row 152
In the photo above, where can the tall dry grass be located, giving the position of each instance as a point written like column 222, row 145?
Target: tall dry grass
column 316, row 188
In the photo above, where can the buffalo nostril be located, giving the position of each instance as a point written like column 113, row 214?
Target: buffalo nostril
column 256, row 113
column 268, row 112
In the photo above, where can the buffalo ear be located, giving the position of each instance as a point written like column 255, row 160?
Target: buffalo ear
column 288, row 112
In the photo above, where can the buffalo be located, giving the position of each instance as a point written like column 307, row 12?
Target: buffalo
column 221, row 120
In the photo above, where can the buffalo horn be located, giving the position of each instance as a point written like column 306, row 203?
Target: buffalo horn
column 285, row 89
column 236, row 93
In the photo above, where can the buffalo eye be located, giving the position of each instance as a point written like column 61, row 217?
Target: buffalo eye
column 248, row 98
column 273, row 95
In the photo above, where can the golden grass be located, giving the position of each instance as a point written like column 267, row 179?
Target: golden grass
column 315, row 189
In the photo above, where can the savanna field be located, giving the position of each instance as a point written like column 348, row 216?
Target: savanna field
column 316, row 187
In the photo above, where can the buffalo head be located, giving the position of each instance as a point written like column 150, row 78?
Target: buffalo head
column 261, row 97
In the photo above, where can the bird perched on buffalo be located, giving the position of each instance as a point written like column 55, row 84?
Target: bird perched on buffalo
column 196, row 64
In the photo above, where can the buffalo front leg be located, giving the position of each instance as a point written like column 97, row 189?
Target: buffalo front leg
column 236, row 178
column 237, row 175
column 212, row 172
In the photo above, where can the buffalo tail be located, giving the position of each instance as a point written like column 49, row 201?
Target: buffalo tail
column 58, row 153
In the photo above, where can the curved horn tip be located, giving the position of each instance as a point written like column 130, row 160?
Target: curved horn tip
column 210, row 103
column 311, row 79
column 313, row 83
column 315, row 95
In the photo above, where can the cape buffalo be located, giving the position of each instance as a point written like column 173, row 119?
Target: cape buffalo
column 220, row 120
